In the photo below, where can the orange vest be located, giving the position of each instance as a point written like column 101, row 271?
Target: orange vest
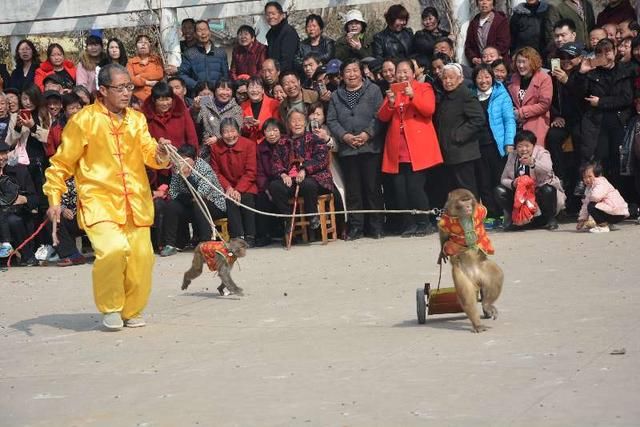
column 457, row 243
column 209, row 251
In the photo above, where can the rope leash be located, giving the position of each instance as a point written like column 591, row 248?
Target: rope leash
column 33, row 236
column 175, row 157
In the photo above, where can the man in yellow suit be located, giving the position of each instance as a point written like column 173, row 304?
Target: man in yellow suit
column 105, row 147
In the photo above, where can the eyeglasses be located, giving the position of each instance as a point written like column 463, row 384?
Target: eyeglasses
column 120, row 89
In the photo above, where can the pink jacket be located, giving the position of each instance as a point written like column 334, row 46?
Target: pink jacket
column 542, row 173
column 535, row 106
column 607, row 198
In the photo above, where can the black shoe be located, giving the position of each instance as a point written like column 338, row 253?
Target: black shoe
column 424, row 230
column 376, row 235
column 552, row 224
column 354, row 234
column 31, row 262
column 263, row 241
column 251, row 241
column 314, row 223
column 410, row 231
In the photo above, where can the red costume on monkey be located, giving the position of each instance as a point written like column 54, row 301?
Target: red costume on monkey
column 209, row 251
column 465, row 236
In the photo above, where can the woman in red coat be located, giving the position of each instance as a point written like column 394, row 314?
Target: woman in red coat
column 168, row 117
column 56, row 64
column 257, row 109
column 233, row 159
column 411, row 145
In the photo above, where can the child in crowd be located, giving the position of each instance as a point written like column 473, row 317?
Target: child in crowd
column 602, row 202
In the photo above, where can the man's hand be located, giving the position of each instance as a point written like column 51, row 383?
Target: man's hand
column 592, row 100
column 162, row 152
column 560, row 75
column 67, row 213
column 286, row 179
column 301, row 176
column 21, row 200
column 558, row 122
column 54, row 212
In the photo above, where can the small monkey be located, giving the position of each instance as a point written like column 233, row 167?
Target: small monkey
column 219, row 257
column 464, row 239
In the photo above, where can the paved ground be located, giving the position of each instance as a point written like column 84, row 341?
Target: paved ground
column 327, row 336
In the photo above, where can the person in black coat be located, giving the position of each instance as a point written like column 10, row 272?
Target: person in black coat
column 27, row 62
column 425, row 39
column 608, row 91
column 459, row 122
column 16, row 218
column 317, row 43
column 282, row 38
column 528, row 22
column 396, row 40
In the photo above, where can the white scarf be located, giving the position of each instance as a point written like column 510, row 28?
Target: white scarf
column 482, row 96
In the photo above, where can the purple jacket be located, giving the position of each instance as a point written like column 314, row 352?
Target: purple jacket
column 265, row 166
column 313, row 152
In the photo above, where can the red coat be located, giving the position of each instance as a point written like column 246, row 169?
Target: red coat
column 536, row 104
column 176, row 126
column 247, row 61
column 268, row 109
column 415, row 117
column 235, row 166
column 54, row 139
column 499, row 36
column 46, row 69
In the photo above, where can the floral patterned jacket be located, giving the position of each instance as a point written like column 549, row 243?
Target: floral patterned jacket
column 310, row 151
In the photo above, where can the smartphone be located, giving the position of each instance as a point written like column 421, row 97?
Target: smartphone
column 555, row 64
column 25, row 114
column 314, row 125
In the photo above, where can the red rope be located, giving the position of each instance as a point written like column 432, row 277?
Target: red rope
column 30, row 238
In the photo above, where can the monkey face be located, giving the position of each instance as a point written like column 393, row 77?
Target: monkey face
column 238, row 247
column 460, row 203
column 466, row 207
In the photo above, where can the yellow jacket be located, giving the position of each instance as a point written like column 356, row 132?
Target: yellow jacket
column 107, row 157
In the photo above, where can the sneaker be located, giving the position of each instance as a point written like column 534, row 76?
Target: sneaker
column 168, row 251
column 112, row 321
column 5, row 250
column 600, row 229
column 135, row 322
column 44, row 252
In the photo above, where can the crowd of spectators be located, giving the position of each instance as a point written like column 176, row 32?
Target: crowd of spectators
column 389, row 121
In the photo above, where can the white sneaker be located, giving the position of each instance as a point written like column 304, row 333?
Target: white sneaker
column 5, row 250
column 600, row 229
column 44, row 252
column 135, row 322
column 112, row 321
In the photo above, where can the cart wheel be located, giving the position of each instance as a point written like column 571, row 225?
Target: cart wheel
column 421, row 306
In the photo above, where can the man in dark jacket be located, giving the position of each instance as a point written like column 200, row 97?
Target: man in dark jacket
column 203, row 62
column 528, row 26
column 16, row 216
column 616, row 12
column 282, row 39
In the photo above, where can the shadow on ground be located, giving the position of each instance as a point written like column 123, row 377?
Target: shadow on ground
column 78, row 322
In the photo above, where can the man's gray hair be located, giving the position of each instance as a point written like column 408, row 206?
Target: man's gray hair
column 105, row 76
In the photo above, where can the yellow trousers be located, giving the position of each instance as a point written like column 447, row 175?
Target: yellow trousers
column 123, row 267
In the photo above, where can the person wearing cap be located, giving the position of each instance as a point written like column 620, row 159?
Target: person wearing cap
column 56, row 64
column 425, row 39
column 54, row 104
column 282, row 39
column 248, row 54
column 317, row 43
column 396, row 40
column 566, row 114
column 52, row 83
column 333, row 75
column 353, row 44
column 89, row 60
column 106, row 147
column 15, row 215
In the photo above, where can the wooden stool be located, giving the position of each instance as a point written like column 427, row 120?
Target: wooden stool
column 222, row 228
column 327, row 216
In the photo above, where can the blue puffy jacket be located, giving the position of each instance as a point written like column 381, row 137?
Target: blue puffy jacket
column 197, row 65
column 501, row 119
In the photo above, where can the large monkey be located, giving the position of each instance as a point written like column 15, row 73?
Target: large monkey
column 220, row 257
column 464, row 239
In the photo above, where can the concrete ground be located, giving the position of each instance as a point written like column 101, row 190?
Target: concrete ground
column 327, row 336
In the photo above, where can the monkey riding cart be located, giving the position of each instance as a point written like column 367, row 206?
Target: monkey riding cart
column 437, row 301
